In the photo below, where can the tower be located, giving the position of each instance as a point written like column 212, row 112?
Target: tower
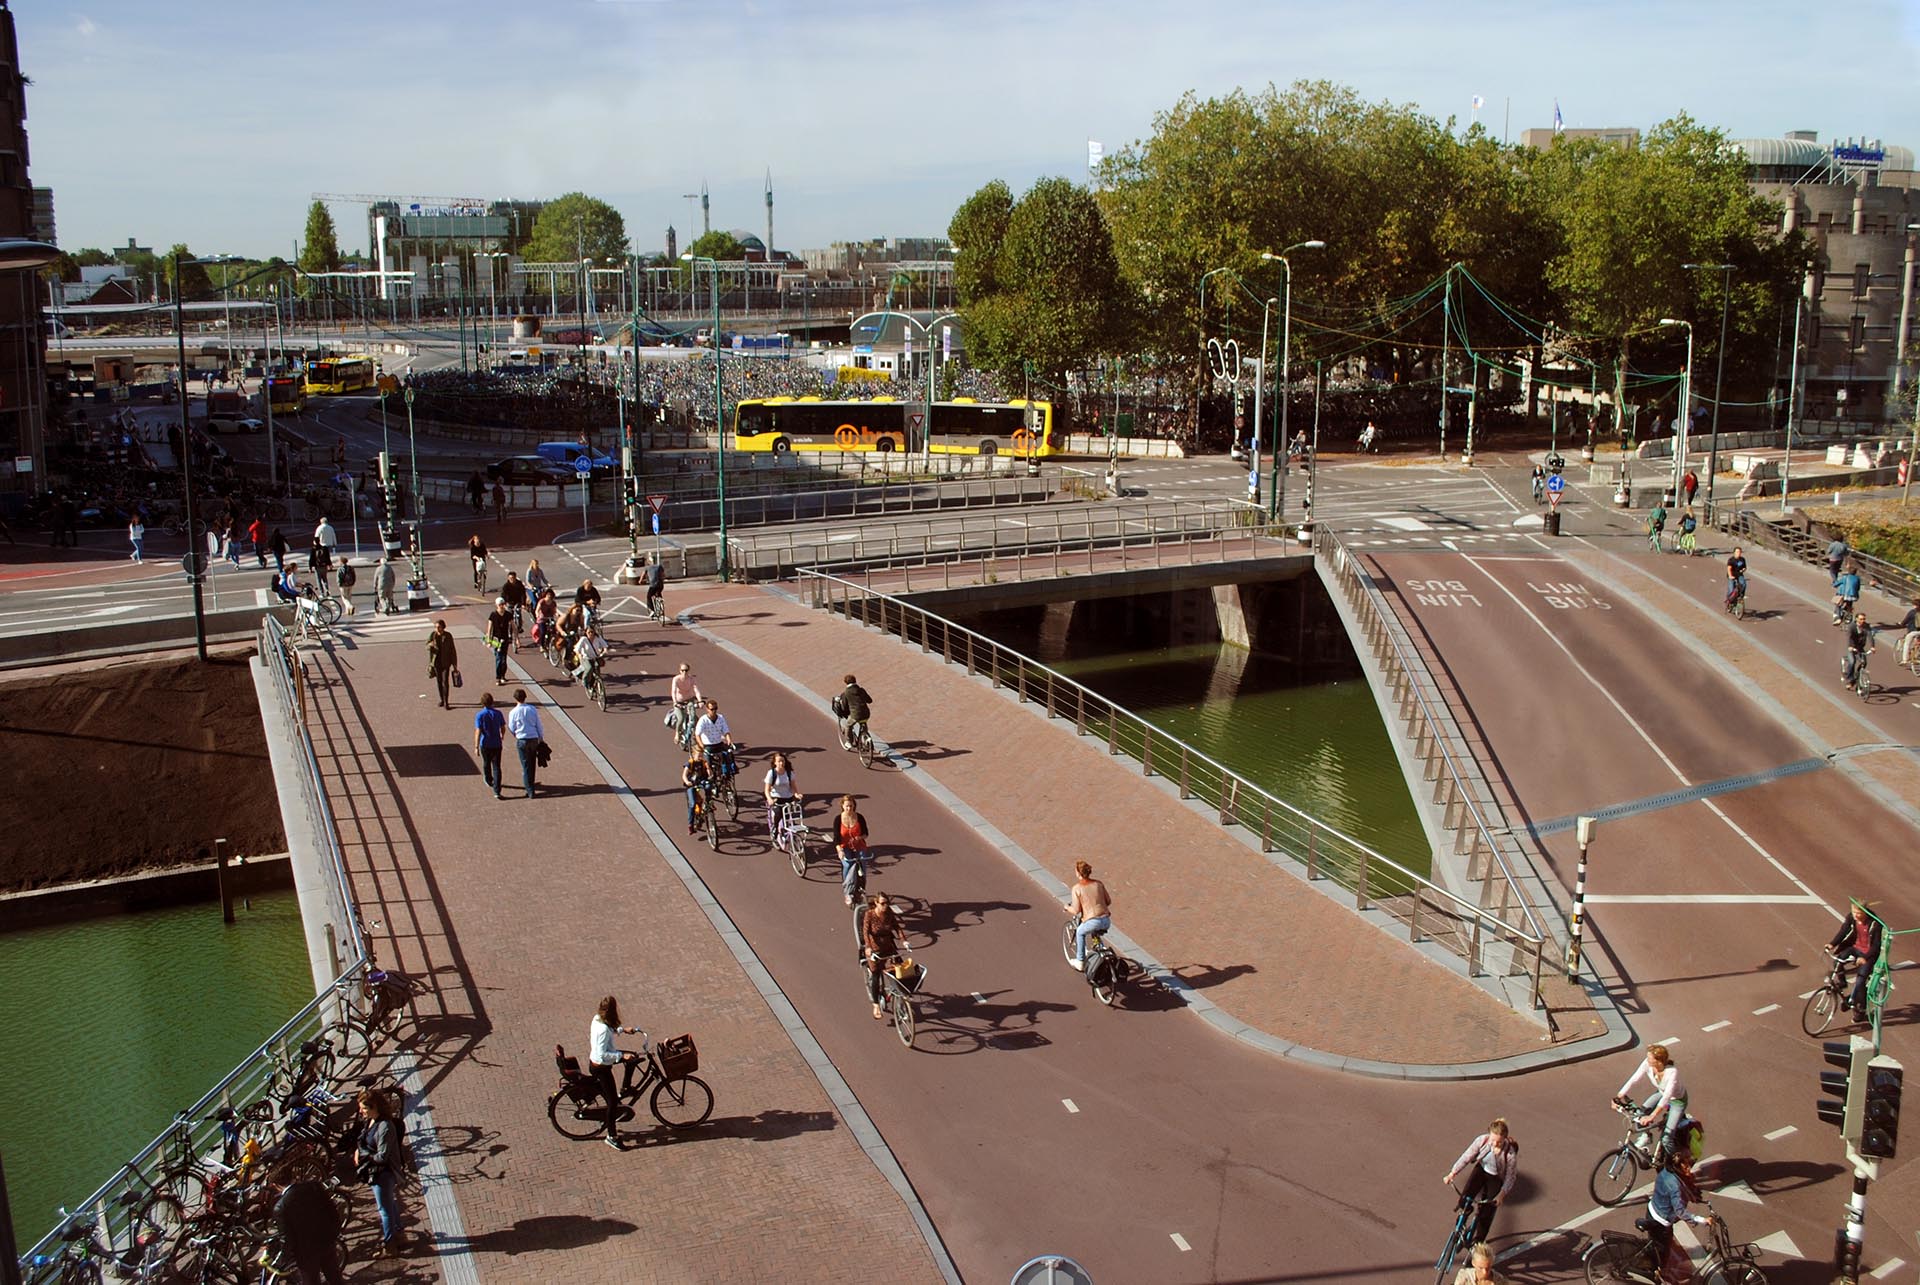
column 706, row 213
column 673, row 246
column 769, row 216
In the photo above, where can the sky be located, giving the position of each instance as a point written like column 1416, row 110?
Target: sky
column 214, row 122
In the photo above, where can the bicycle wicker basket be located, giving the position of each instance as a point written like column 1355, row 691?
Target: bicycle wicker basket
column 678, row 1057
column 911, row 976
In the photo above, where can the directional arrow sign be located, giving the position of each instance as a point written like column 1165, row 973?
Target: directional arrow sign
column 1556, row 484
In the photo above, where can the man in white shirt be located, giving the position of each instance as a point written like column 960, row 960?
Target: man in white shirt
column 716, row 738
column 523, row 721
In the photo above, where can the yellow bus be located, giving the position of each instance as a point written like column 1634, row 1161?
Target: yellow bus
column 339, row 375
column 287, row 394
column 962, row 426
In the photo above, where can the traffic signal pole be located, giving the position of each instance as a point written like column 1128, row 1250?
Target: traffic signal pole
column 1865, row 1103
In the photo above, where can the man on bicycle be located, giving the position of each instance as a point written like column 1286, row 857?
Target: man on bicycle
column 1859, row 643
column 853, row 707
column 1836, row 558
column 1846, row 592
column 514, row 593
column 1539, row 484
column 1093, row 903
column 656, row 582
column 1656, row 523
column 477, row 555
column 587, row 598
column 716, row 739
column 1736, row 576
column 1858, row 940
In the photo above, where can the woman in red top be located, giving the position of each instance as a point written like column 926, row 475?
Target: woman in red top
column 850, row 845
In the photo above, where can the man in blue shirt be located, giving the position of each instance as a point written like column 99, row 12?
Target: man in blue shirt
column 1846, row 592
column 489, row 726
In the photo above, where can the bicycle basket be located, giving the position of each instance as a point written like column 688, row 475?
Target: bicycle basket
column 678, row 1057
column 910, row 975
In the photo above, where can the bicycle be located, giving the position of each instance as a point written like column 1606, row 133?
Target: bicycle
column 1615, row 1173
column 480, row 574
column 1826, row 999
column 1106, row 969
column 370, row 1014
column 900, row 981
column 1688, row 545
column 706, row 817
column 1459, row 1240
column 680, row 1100
column 657, row 608
column 1736, row 603
column 680, row 722
column 1861, row 684
column 324, row 605
column 790, row 834
column 1539, row 490
column 596, row 685
column 856, row 738
column 82, row 1251
column 1621, row 1256
column 724, row 766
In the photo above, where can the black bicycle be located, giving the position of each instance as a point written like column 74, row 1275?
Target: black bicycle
column 1826, row 999
column 680, row 1099
column 1106, row 968
column 1459, row 1240
column 725, row 767
column 1617, row 1170
column 1619, row 1256
column 858, row 739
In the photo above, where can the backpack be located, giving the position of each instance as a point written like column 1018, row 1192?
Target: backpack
column 348, row 578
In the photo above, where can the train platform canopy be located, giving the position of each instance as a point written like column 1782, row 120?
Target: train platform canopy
column 890, row 329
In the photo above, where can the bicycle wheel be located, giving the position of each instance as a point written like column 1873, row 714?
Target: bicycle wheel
column 153, row 1232
column 794, row 840
column 1612, row 1177
column 712, row 824
column 1818, row 1014
column 1736, row 1273
column 1070, row 940
column 731, row 797
column 1614, row 1260
column 865, row 746
column 329, row 611
column 682, row 1103
column 577, row 1120
column 81, row 1271
column 902, row 1009
column 1103, row 974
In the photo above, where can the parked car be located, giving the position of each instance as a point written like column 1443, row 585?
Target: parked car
column 567, row 455
column 248, row 425
column 528, row 470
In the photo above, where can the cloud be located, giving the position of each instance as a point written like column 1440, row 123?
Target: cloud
column 86, row 26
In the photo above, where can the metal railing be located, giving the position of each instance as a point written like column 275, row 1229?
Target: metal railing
column 1376, row 882
column 1892, row 579
column 832, row 497
column 249, row 1080
column 1447, row 765
column 1047, row 544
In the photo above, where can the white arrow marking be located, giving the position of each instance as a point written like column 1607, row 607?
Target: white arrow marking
column 1779, row 1243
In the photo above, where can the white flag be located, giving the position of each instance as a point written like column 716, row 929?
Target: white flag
column 1093, row 156
column 1478, row 102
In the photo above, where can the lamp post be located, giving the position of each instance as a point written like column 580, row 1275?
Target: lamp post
column 195, row 561
column 1719, row 368
column 417, row 586
column 1277, row 501
column 719, row 418
column 1686, row 406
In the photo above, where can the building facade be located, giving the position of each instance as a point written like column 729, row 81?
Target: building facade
column 443, row 252
column 23, row 378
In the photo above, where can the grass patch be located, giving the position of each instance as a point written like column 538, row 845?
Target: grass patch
column 1886, row 529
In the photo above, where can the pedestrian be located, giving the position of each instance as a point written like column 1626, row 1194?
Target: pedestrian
column 500, row 637
column 257, row 537
column 278, row 547
column 489, row 729
column 476, row 487
column 1690, row 483
column 376, row 1162
column 233, row 541
column 499, row 501
column 323, row 535
column 348, row 578
column 528, row 738
column 602, row 1057
column 309, row 1231
column 383, row 587
column 319, row 563
column 442, row 662
column 136, row 532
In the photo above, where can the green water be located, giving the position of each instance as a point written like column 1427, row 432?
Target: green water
column 1319, row 745
column 114, row 1024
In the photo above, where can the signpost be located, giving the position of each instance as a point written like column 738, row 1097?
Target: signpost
column 657, row 503
column 583, row 469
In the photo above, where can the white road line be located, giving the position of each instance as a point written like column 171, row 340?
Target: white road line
column 1181, row 1242
column 1806, row 994
column 1721, row 1025
column 1702, row 899
column 1068, row 1104
column 1762, row 1012
column 1778, row 1134
column 1669, row 1042
column 978, row 998
column 1887, row 1268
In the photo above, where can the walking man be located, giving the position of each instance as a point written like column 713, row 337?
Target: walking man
column 323, row 535
column 499, row 502
column 489, row 729
column 383, row 587
column 528, row 736
column 278, row 547
column 442, row 663
column 476, row 486
column 500, row 637
column 257, row 536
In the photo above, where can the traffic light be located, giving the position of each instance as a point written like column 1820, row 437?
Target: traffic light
column 386, row 469
column 1844, row 1093
column 1880, row 1125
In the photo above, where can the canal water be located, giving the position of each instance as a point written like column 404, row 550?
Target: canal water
column 114, row 1024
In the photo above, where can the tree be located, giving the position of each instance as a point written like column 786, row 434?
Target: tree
column 320, row 248
column 721, row 247
column 977, row 230
column 194, row 283
column 577, row 226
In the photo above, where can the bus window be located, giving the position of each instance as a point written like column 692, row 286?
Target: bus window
column 753, row 421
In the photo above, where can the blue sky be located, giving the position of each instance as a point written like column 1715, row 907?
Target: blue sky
column 212, row 121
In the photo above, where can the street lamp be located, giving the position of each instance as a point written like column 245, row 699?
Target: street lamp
column 1719, row 368
column 417, row 587
column 1277, row 493
column 719, row 418
column 1686, row 404
column 1906, row 294
column 194, row 561
column 493, row 298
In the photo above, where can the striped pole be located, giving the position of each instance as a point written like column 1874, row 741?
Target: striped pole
column 1584, row 829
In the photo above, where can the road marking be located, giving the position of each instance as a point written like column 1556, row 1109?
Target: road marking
column 1181, row 1241
column 1703, row 899
column 1888, row 1268
column 1670, row 1042
column 978, row 998
column 1807, row 994
column 1068, row 1104
column 1778, row 1134
column 1762, row 1012
column 1739, row 1191
column 1779, row 1243
column 1405, row 524
column 1721, row 1025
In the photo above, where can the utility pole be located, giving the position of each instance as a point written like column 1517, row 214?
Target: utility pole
column 1446, row 334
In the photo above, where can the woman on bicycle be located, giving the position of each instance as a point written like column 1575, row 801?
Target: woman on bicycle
column 1688, row 524
column 779, row 788
column 885, row 940
column 1479, row 1268
column 1492, row 1162
column 1669, row 1094
column 697, row 780
column 537, row 582
column 850, row 845
column 684, row 691
column 602, row 1057
column 477, row 558
column 1673, row 1187
column 1859, row 939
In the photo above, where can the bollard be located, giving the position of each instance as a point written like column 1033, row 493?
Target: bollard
column 1584, row 829
column 220, row 876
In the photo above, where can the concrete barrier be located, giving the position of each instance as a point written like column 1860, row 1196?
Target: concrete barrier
column 147, row 890
column 42, row 647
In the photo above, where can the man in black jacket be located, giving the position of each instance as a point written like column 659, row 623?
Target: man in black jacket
column 1859, row 939
column 309, row 1229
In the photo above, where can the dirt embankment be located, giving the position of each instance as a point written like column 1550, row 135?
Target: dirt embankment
column 127, row 767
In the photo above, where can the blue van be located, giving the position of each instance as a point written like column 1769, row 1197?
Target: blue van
column 566, row 454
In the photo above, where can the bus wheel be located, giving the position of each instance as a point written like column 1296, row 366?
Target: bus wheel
column 884, row 444
column 989, row 448
column 781, row 446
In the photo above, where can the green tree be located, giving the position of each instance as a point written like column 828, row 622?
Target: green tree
column 577, row 226
column 320, row 247
column 977, row 230
column 721, row 247
column 193, row 283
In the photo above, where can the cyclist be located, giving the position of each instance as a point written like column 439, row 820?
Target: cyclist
column 1911, row 623
column 850, row 845
column 696, row 779
column 1687, row 528
column 546, row 617
column 514, row 593
column 588, row 654
column 1656, row 523
column 477, row 555
column 656, row 582
column 587, row 598
column 1669, row 1094
column 1859, row 643
column 684, row 691
column 1494, row 1161
column 602, row 1057
column 1859, row 940
column 1736, row 577
column 1367, row 437
column 1846, row 592
column 852, row 707
column 1479, row 1268
column 1093, row 903
column 779, row 788
column 1673, row 1187
column 885, row 941
column 537, row 582
column 1539, row 484
column 716, row 739
column 1836, row 558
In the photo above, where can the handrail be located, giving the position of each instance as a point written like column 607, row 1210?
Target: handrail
column 1414, row 668
column 249, row 1078
column 1376, row 881
column 1901, row 582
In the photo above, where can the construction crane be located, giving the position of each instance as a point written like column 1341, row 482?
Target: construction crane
column 370, row 198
